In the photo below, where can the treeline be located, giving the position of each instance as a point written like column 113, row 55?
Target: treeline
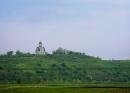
column 17, row 53
column 58, row 51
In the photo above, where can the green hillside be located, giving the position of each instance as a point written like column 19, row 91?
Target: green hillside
column 63, row 68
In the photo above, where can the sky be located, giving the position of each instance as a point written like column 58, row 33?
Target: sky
column 99, row 28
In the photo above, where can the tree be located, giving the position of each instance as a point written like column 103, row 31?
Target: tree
column 19, row 53
column 59, row 51
column 9, row 53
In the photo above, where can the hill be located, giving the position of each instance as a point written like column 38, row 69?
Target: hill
column 63, row 68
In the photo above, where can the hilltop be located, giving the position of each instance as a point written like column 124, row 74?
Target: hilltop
column 62, row 67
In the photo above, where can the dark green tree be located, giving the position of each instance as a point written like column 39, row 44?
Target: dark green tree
column 9, row 53
column 18, row 53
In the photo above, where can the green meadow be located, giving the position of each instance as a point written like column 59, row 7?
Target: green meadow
column 59, row 89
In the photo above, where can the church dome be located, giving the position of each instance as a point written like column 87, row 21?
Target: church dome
column 40, row 42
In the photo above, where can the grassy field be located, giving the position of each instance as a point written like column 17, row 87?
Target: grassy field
column 59, row 89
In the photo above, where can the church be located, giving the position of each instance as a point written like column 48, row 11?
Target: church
column 40, row 50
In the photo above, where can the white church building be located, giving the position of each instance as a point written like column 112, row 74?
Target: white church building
column 40, row 50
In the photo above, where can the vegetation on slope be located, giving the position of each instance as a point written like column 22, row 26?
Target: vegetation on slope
column 62, row 67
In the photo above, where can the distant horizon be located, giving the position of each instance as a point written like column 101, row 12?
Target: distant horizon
column 96, row 27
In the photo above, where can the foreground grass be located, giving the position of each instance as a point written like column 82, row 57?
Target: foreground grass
column 59, row 89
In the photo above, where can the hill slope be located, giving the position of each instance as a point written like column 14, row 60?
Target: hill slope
column 61, row 68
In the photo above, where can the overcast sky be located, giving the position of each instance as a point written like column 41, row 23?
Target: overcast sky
column 97, row 27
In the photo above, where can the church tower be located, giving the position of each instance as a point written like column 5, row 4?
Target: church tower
column 40, row 50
